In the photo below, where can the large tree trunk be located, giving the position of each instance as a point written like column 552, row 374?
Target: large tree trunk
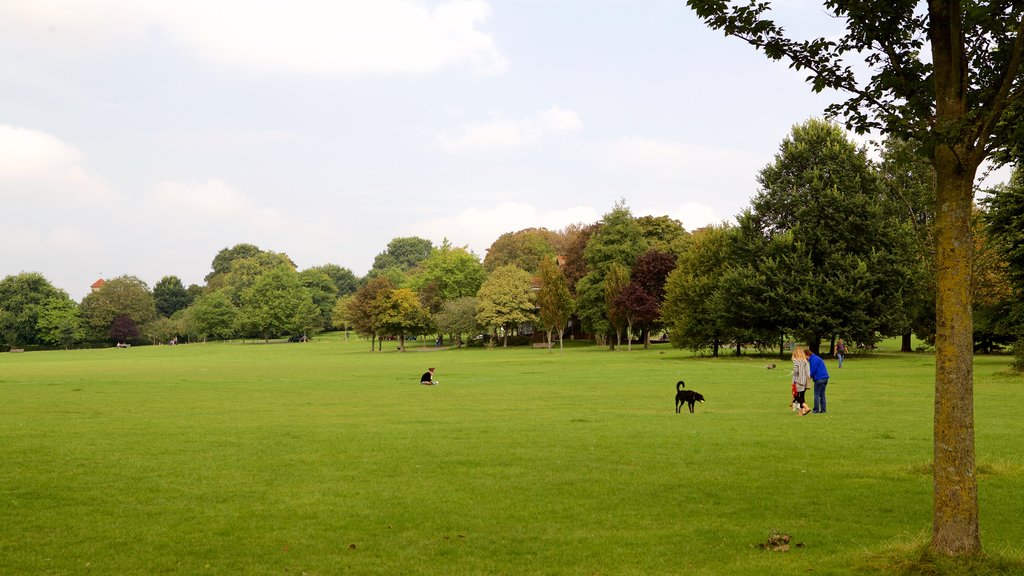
column 955, row 528
column 905, row 345
column 955, row 516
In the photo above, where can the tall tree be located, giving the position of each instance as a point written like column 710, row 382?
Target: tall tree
column 553, row 299
column 60, row 323
column 457, row 317
column 277, row 303
column 506, row 300
column 22, row 297
column 365, row 306
column 449, row 273
column 213, row 315
column 823, row 190
column 691, row 290
column 322, row 290
column 650, row 273
column 947, row 76
column 403, row 253
column 345, row 281
column 401, row 315
column 169, row 295
column 524, row 248
column 124, row 296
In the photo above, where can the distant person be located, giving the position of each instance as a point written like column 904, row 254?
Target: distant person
column 801, row 374
column 428, row 378
column 820, row 377
column 840, row 351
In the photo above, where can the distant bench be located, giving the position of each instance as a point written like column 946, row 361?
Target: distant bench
column 540, row 344
column 17, row 349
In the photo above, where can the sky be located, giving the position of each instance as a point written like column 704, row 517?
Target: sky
column 142, row 137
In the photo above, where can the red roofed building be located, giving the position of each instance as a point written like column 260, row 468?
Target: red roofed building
column 98, row 284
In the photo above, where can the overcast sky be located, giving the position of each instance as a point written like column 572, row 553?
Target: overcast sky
column 141, row 136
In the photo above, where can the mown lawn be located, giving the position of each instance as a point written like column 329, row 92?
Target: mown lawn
column 323, row 458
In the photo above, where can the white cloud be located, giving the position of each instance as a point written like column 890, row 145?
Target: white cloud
column 214, row 199
column 34, row 164
column 506, row 135
column 301, row 36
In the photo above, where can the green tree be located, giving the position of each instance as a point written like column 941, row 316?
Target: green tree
column 323, row 291
column 908, row 179
column 222, row 261
column 615, row 282
column 448, row 273
column 506, row 300
column 277, row 303
column 122, row 297
column 823, row 190
column 691, row 308
column 364, row 311
column 946, row 77
column 169, row 295
column 457, row 318
column 554, row 301
column 60, row 323
column 213, row 315
column 345, row 281
column 403, row 253
column 22, row 297
column 401, row 315
column 525, row 248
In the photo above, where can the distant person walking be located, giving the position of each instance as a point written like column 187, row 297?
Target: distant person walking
column 840, row 351
column 820, row 377
column 801, row 374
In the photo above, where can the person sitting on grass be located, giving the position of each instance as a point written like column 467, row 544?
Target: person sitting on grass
column 428, row 378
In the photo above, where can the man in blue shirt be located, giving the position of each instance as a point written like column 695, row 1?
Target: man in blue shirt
column 820, row 376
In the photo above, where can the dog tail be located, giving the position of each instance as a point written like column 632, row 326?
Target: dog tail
column 680, row 385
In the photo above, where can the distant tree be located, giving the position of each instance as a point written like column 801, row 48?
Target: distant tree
column 403, row 253
column 22, row 297
column 340, row 313
column 323, row 291
column 213, row 315
column 344, row 280
column 505, row 300
column 162, row 330
column 401, row 315
column 691, row 308
column 124, row 296
column 575, row 266
column 169, row 295
column 662, row 233
column 553, row 299
column 222, row 261
column 524, row 248
column 448, row 273
column 244, row 272
column 619, row 239
column 277, row 303
column 823, row 189
column 364, row 311
column 60, row 323
column 457, row 317
column 650, row 273
column 615, row 281
column 123, row 329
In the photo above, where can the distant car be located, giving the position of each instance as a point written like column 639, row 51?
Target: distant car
column 299, row 338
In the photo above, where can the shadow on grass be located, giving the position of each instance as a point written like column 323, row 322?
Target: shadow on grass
column 912, row 557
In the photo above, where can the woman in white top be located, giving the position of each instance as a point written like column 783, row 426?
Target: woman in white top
column 801, row 374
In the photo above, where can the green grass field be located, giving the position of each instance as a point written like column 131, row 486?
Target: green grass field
column 322, row 458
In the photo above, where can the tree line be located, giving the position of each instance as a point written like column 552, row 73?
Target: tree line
column 834, row 244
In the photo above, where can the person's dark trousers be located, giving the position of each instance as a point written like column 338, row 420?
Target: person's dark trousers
column 819, row 396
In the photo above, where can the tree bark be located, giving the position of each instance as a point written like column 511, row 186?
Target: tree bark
column 955, row 530
column 905, row 346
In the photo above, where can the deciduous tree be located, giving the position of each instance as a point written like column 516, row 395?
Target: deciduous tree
column 947, row 75
column 506, row 300
column 553, row 299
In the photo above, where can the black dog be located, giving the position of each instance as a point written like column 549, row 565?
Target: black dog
column 686, row 396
